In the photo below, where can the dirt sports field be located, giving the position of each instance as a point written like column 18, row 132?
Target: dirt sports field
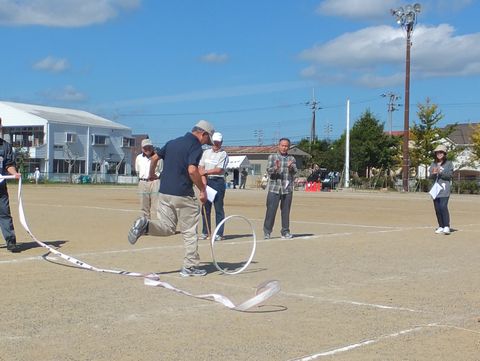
column 364, row 278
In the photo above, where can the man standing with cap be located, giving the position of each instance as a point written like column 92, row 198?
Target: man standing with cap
column 177, row 203
column 7, row 167
column 148, row 189
column 212, row 165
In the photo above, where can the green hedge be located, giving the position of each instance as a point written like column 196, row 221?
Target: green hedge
column 466, row 187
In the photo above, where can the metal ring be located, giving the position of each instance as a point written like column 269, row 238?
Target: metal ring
column 212, row 243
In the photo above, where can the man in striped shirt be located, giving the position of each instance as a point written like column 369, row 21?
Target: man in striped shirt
column 281, row 168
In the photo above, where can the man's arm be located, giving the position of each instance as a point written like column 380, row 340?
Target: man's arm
column 271, row 165
column 10, row 163
column 12, row 170
column 292, row 165
column 198, row 180
column 154, row 159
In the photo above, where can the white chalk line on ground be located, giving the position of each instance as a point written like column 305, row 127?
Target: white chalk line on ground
column 84, row 207
column 380, row 338
column 353, row 303
column 387, row 228
column 361, row 344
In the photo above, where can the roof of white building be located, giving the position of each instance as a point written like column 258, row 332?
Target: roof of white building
column 19, row 114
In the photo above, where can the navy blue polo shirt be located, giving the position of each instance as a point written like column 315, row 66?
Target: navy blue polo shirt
column 6, row 156
column 177, row 155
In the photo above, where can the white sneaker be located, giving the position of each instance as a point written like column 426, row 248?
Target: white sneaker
column 439, row 230
column 446, row 230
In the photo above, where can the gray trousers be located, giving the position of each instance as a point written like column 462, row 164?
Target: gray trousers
column 184, row 212
column 6, row 222
column 273, row 199
column 148, row 191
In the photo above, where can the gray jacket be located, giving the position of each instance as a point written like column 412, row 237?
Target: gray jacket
column 444, row 178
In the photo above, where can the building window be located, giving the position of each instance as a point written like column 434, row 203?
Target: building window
column 99, row 139
column 70, row 137
column 128, row 142
column 61, row 166
column 24, row 136
column 257, row 169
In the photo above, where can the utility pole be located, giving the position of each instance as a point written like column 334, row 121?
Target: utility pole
column 258, row 133
column 328, row 129
column 391, row 107
column 314, row 106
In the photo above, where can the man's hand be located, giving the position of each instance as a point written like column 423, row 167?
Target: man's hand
column 203, row 197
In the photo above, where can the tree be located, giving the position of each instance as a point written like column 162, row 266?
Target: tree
column 476, row 143
column 118, row 166
column 21, row 157
column 70, row 158
column 317, row 150
column 426, row 135
column 370, row 147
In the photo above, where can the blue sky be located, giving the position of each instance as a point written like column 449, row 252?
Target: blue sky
column 246, row 66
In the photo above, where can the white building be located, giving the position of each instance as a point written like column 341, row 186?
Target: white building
column 57, row 139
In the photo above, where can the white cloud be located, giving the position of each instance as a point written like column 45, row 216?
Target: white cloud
column 375, row 56
column 218, row 93
column 67, row 94
column 369, row 9
column 214, row 58
column 378, row 9
column 62, row 13
column 52, row 64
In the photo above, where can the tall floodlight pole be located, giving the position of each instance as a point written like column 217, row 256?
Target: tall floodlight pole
column 407, row 18
column 347, row 148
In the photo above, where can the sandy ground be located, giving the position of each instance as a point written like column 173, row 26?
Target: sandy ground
column 364, row 278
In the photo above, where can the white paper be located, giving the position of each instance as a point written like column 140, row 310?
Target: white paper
column 211, row 193
column 435, row 190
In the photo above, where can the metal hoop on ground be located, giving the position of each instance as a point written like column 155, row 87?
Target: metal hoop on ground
column 212, row 243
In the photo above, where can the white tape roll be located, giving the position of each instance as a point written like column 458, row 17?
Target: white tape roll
column 212, row 243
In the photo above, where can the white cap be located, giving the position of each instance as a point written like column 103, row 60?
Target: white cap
column 217, row 137
column 146, row 142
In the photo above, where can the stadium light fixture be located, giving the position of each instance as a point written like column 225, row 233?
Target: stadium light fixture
column 406, row 17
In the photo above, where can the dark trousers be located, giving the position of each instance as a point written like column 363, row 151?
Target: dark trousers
column 6, row 222
column 217, row 183
column 273, row 199
column 441, row 210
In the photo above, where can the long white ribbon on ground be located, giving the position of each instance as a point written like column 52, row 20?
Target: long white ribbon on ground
column 262, row 292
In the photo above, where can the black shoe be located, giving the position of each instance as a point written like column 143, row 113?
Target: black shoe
column 12, row 247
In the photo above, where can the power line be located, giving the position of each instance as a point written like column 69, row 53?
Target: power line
column 209, row 112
